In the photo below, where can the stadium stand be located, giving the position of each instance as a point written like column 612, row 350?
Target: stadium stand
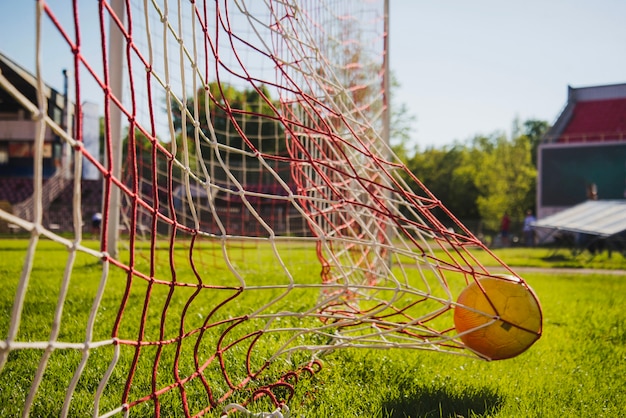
column 17, row 134
column 583, row 159
column 596, row 120
column 591, row 114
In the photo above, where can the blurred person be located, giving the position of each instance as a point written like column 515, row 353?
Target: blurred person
column 529, row 233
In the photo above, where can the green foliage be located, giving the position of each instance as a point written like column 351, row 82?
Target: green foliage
column 444, row 174
column 503, row 172
column 485, row 177
column 535, row 129
column 243, row 119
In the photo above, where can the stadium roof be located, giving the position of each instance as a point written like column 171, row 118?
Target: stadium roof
column 592, row 114
column 26, row 84
column 603, row 218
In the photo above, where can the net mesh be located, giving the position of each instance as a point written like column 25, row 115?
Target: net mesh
column 264, row 220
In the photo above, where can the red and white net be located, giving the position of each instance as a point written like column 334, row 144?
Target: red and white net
column 264, row 219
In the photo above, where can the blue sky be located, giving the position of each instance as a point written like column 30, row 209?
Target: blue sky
column 472, row 67
column 465, row 68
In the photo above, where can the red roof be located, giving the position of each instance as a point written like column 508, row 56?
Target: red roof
column 597, row 120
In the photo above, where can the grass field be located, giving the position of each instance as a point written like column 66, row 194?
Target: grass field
column 577, row 369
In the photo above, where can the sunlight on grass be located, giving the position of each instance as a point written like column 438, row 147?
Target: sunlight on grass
column 576, row 369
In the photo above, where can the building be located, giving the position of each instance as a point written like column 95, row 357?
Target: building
column 17, row 127
column 581, row 186
column 18, row 130
column 583, row 155
column 17, row 145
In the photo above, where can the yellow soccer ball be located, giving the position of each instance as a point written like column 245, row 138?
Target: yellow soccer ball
column 500, row 322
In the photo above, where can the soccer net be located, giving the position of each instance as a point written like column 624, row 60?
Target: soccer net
column 254, row 216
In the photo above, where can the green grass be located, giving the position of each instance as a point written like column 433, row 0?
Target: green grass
column 577, row 369
column 548, row 257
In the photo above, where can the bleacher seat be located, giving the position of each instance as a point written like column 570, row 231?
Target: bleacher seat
column 598, row 120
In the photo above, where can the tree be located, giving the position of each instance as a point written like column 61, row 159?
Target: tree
column 442, row 172
column 242, row 121
column 503, row 172
column 484, row 177
column 535, row 129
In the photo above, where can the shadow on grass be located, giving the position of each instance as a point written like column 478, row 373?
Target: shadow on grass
column 557, row 257
column 441, row 403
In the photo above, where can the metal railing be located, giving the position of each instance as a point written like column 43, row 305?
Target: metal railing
column 52, row 188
